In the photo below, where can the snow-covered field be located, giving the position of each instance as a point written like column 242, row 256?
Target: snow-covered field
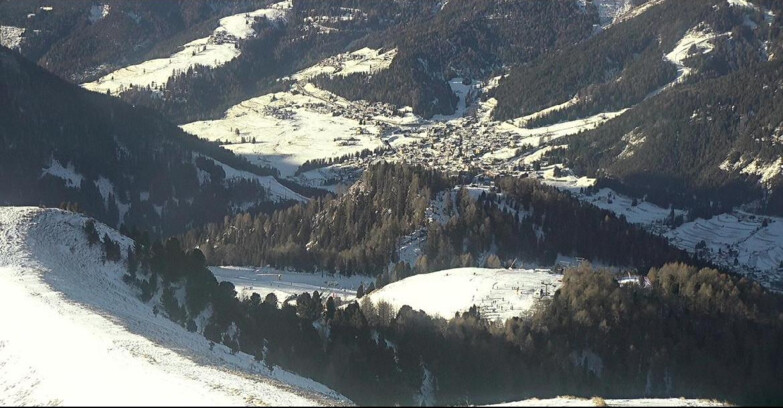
column 589, row 402
column 499, row 293
column 535, row 136
column 737, row 235
column 75, row 334
column 365, row 60
column 285, row 284
column 214, row 50
column 285, row 129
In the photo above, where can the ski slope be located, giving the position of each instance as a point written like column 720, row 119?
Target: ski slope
column 500, row 294
column 75, row 334
column 215, row 50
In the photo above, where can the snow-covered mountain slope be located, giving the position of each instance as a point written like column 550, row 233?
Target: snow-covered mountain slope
column 75, row 334
column 499, row 293
column 217, row 49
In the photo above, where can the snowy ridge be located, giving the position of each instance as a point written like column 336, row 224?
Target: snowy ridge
column 109, row 348
column 217, row 49
column 499, row 293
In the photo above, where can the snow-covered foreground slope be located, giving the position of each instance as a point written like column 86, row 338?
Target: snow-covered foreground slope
column 285, row 283
column 584, row 402
column 74, row 334
column 499, row 293
column 215, row 50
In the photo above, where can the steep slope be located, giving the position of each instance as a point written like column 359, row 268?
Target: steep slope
column 220, row 47
column 119, row 163
column 719, row 142
column 94, row 342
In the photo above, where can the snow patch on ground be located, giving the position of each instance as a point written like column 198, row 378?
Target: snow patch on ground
column 67, row 173
column 499, row 293
column 217, row 49
column 11, row 37
column 766, row 171
column 105, row 186
column 743, row 3
column 99, row 12
column 95, row 343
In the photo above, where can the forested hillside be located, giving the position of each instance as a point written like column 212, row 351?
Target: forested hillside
column 361, row 231
column 594, row 336
column 467, row 39
column 624, row 64
column 120, row 163
column 698, row 156
column 311, row 32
